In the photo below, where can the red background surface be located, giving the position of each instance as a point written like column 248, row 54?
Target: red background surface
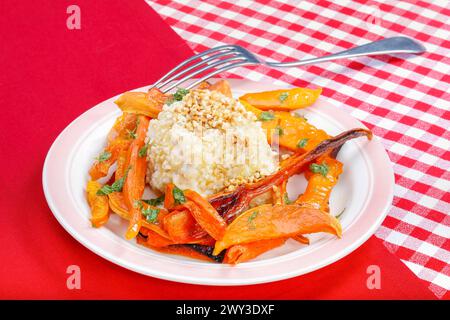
column 50, row 75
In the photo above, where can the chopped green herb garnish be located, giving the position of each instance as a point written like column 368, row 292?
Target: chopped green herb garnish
column 178, row 96
column 132, row 133
column 283, row 96
column 319, row 168
column 155, row 202
column 150, row 214
column 117, row 186
column 279, row 130
column 251, row 218
column 302, row 143
column 266, row 116
column 105, row 155
column 286, row 199
column 178, row 195
column 143, row 151
column 137, row 204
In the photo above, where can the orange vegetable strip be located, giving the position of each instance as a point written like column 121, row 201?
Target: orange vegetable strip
column 182, row 227
column 152, row 238
column 318, row 190
column 99, row 204
column 176, row 250
column 169, row 200
column 118, row 206
column 205, row 214
column 286, row 99
column 244, row 252
column 117, row 140
column 134, row 185
column 142, row 103
column 279, row 221
column 292, row 132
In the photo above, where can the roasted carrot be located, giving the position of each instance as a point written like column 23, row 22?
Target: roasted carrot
column 288, row 99
column 182, row 227
column 118, row 140
column 118, row 206
column 169, row 200
column 291, row 131
column 230, row 204
column 99, row 204
column 135, row 178
column 151, row 238
column 279, row 221
column 143, row 103
column 320, row 184
column 205, row 214
column 244, row 252
column 176, row 249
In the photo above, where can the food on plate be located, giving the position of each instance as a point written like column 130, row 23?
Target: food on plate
column 217, row 168
column 193, row 144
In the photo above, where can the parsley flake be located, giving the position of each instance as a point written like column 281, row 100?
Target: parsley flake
column 266, row 116
column 143, row 151
column 178, row 195
column 283, row 96
column 150, row 214
column 251, row 218
column 302, row 143
column 286, row 199
column 117, row 186
column 319, row 168
column 279, row 130
column 155, row 202
column 105, row 155
column 178, row 95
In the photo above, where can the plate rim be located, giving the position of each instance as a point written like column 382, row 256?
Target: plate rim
column 227, row 281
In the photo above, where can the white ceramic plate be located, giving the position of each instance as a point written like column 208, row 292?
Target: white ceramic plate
column 365, row 191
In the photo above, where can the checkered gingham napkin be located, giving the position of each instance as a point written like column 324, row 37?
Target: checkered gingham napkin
column 404, row 102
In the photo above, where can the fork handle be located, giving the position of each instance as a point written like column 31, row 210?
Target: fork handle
column 384, row 46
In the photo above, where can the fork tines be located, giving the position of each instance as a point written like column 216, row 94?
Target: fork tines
column 205, row 65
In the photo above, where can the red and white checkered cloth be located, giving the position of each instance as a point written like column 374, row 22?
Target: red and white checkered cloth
column 404, row 102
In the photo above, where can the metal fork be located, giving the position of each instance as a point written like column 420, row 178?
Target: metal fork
column 216, row 60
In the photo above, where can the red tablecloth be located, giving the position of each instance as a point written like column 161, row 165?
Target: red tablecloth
column 50, row 75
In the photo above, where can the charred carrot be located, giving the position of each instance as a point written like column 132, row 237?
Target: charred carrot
column 279, row 221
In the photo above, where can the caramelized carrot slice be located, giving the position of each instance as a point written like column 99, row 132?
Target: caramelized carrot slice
column 135, row 180
column 318, row 190
column 291, row 131
column 181, row 250
column 244, row 252
column 182, row 227
column 99, row 204
column 153, row 239
column 169, row 200
column 279, row 221
column 143, row 103
column 205, row 214
column 289, row 99
column 118, row 140
column 118, row 206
